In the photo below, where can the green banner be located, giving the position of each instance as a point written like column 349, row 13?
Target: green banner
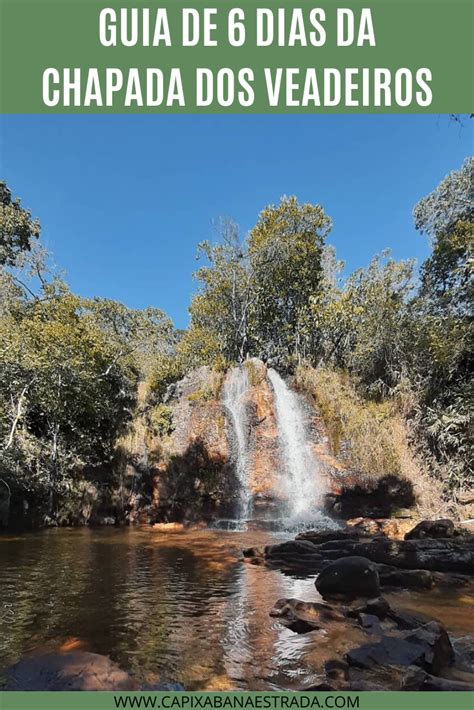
column 362, row 56
column 236, row 701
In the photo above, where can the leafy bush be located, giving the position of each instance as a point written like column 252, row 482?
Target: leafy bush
column 161, row 420
column 165, row 370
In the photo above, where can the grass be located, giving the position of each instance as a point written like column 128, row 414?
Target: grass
column 372, row 437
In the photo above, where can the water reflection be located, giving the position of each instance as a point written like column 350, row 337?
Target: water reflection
column 180, row 607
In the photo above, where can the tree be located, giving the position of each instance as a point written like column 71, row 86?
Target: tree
column 220, row 310
column 18, row 229
column 449, row 203
column 65, row 395
column 285, row 249
column 441, row 336
column 139, row 335
column 359, row 324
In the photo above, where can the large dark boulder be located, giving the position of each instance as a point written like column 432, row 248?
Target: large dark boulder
column 349, row 578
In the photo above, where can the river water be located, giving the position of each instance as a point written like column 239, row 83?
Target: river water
column 178, row 607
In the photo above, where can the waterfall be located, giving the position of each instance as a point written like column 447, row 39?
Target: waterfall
column 299, row 464
column 235, row 390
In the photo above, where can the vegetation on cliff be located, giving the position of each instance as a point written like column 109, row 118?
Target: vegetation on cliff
column 386, row 353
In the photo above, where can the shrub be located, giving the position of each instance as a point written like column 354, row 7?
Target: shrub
column 165, row 370
column 161, row 420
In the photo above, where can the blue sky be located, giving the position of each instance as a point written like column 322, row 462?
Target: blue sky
column 124, row 200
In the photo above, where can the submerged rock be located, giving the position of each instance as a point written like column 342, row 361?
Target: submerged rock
column 169, row 527
column 302, row 617
column 78, row 670
column 350, row 577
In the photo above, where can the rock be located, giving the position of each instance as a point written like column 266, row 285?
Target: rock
column 308, row 555
column 389, row 651
column 107, row 520
column 370, row 623
column 168, row 527
column 320, row 687
column 349, row 578
column 300, row 548
column 439, row 652
column 378, row 606
column 165, row 686
column 254, row 553
column 417, row 679
column 78, row 670
column 319, row 536
column 367, row 527
column 388, row 527
column 358, row 494
column 432, row 529
column 409, row 579
column 295, row 555
column 337, row 670
column 408, row 620
column 443, row 555
column 302, row 617
column 427, row 646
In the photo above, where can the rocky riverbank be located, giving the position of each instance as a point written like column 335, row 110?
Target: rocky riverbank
column 402, row 650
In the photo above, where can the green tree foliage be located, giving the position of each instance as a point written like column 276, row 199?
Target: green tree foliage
column 141, row 335
column 69, row 369
column 254, row 297
column 285, row 251
column 441, row 331
column 17, row 227
column 65, row 393
column 166, row 369
column 220, row 310
column 359, row 324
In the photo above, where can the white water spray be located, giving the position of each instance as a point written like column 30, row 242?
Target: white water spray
column 235, row 389
column 299, row 462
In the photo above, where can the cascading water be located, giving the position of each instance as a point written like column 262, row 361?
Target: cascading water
column 300, row 466
column 235, row 390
